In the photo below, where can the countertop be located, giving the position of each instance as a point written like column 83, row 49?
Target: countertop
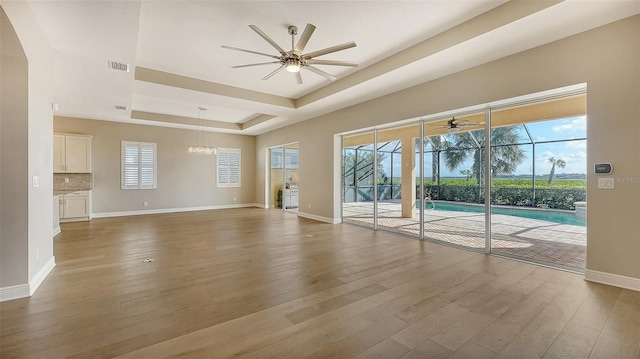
column 66, row 191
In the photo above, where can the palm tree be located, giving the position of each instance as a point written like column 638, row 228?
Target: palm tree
column 436, row 142
column 559, row 163
column 504, row 158
column 466, row 173
column 358, row 167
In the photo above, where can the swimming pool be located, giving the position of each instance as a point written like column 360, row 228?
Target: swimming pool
column 560, row 217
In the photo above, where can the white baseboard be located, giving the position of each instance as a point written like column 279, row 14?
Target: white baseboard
column 56, row 231
column 41, row 275
column 14, row 292
column 27, row 290
column 172, row 210
column 320, row 218
column 612, row 279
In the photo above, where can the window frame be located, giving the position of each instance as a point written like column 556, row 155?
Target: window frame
column 139, row 165
column 228, row 168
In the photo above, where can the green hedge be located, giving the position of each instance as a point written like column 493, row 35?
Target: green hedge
column 559, row 198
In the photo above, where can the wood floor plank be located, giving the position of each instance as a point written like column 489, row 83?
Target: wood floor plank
column 428, row 349
column 540, row 333
column 575, row 341
column 620, row 337
column 387, row 349
column 255, row 283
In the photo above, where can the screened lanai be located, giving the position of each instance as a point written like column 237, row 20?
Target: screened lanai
column 535, row 169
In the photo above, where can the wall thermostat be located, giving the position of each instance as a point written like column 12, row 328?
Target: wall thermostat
column 603, row 168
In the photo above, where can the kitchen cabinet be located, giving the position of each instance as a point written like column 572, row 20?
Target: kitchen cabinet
column 75, row 206
column 56, row 215
column 71, row 153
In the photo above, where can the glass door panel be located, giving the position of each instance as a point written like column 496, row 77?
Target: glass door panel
column 453, row 181
column 539, row 192
column 397, row 172
column 291, row 190
column 276, row 175
column 358, row 179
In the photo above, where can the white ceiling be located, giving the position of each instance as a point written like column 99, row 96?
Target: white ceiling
column 399, row 44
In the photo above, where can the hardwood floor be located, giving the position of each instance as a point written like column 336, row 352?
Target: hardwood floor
column 254, row 283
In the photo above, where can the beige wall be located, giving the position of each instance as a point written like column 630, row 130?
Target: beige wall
column 606, row 58
column 184, row 180
column 13, row 158
column 35, row 207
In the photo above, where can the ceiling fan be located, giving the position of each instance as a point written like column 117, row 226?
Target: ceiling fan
column 456, row 125
column 294, row 60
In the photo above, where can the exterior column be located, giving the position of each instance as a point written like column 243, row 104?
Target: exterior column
column 408, row 178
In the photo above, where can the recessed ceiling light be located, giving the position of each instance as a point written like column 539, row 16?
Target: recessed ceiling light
column 120, row 66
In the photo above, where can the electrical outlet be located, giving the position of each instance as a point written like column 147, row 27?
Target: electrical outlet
column 309, row 205
column 145, row 203
column 234, row 199
column 66, row 180
column 606, row 183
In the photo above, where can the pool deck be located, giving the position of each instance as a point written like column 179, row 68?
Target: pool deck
column 551, row 243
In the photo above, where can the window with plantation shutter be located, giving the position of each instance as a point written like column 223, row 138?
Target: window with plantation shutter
column 228, row 167
column 139, row 169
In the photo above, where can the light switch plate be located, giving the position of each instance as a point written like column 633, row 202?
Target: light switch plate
column 606, row 183
column 36, row 181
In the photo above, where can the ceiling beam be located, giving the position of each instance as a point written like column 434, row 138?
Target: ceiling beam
column 152, row 116
column 256, row 121
column 190, row 83
column 500, row 16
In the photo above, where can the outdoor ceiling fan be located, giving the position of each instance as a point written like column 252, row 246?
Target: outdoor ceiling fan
column 456, row 125
column 294, row 60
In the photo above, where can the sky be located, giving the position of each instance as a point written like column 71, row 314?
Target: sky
column 574, row 153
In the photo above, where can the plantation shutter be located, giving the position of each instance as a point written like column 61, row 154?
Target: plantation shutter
column 229, row 167
column 139, row 169
column 147, row 165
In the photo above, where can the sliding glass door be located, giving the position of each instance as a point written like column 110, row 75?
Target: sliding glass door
column 454, row 181
column 283, row 177
column 525, row 197
column 538, row 189
column 359, row 167
column 398, row 173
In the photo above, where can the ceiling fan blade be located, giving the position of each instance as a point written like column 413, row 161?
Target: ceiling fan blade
column 320, row 72
column 329, row 50
column 259, row 64
column 469, row 123
column 250, row 51
column 304, row 38
column 299, row 78
column 437, row 123
column 331, row 62
column 268, row 39
column 273, row 73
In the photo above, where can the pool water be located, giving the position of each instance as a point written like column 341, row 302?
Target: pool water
column 543, row 215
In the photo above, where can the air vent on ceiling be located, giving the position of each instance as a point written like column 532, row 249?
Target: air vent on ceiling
column 118, row 107
column 114, row 65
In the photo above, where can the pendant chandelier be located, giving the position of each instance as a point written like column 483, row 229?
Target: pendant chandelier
column 201, row 148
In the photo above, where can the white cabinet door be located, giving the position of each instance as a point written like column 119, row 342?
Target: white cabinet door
column 78, row 154
column 59, row 158
column 61, row 207
column 76, row 206
column 56, row 212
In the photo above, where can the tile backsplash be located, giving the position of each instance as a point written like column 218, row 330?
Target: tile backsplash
column 77, row 181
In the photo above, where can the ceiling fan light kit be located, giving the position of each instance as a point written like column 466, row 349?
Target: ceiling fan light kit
column 294, row 61
column 293, row 65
